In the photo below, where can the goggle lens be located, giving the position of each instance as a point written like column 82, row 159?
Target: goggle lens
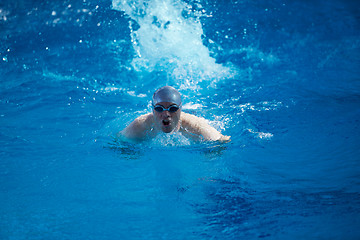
column 171, row 109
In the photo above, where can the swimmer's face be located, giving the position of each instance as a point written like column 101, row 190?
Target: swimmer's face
column 167, row 121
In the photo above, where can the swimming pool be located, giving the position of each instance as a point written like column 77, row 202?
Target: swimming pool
column 280, row 77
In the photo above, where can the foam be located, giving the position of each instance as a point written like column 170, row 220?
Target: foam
column 170, row 140
column 169, row 40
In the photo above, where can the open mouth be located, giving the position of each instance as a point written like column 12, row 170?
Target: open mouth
column 166, row 122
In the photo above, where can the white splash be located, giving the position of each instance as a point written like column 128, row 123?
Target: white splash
column 192, row 106
column 169, row 40
column 261, row 135
column 172, row 139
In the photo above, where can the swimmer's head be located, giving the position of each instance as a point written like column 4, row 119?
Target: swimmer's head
column 167, row 109
column 166, row 94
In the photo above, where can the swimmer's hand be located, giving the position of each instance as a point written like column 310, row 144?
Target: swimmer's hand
column 224, row 138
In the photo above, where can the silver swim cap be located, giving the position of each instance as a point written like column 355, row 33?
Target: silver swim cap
column 167, row 94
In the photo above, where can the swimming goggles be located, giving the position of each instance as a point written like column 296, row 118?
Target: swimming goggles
column 172, row 108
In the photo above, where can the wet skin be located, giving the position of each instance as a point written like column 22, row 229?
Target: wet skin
column 165, row 120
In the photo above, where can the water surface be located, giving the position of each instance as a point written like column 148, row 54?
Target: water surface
column 280, row 77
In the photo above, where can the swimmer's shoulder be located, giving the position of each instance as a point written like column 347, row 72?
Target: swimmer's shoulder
column 143, row 122
column 189, row 120
column 200, row 126
column 197, row 125
column 188, row 116
column 146, row 118
column 139, row 127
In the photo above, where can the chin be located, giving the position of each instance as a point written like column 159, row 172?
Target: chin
column 167, row 130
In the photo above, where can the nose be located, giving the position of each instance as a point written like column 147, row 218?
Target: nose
column 166, row 113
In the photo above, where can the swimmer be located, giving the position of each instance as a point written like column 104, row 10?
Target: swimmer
column 167, row 117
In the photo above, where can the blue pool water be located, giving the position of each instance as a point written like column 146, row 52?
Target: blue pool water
column 282, row 78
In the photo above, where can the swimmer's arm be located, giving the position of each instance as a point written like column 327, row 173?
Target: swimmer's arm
column 200, row 127
column 137, row 129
